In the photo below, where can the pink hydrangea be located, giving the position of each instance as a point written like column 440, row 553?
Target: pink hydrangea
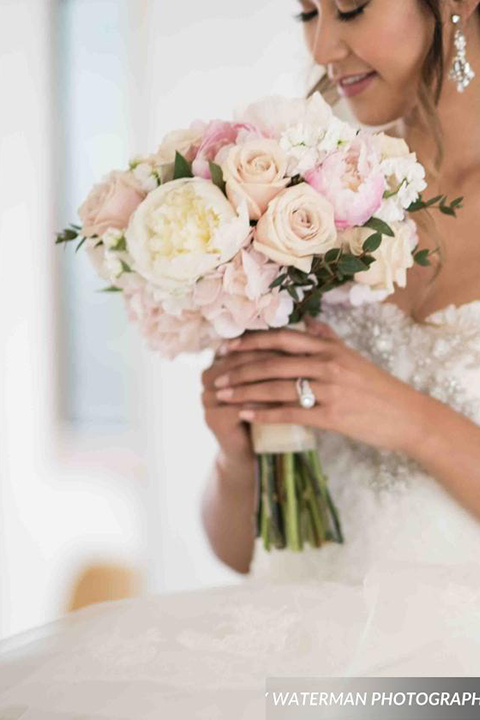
column 238, row 297
column 168, row 334
column 352, row 180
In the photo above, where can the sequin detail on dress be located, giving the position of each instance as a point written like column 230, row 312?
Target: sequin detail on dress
column 434, row 357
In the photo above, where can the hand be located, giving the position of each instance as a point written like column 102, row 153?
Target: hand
column 230, row 430
column 355, row 397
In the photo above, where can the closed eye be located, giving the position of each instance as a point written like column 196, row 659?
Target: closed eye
column 306, row 17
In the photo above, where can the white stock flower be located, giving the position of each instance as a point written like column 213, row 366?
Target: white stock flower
column 183, row 230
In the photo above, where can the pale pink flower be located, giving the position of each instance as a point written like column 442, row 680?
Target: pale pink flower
column 238, row 297
column 168, row 334
column 110, row 203
column 352, row 180
column 218, row 139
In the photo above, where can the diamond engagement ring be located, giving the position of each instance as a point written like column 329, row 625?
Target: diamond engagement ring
column 305, row 393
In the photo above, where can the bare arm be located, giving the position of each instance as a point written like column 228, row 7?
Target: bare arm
column 228, row 511
column 448, row 447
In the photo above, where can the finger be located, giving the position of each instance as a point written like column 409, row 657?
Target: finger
column 278, row 391
column 224, row 364
column 315, row 417
column 320, row 328
column 280, row 368
column 291, row 342
column 210, row 400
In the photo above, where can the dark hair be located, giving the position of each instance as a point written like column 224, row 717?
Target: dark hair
column 431, row 83
column 430, row 89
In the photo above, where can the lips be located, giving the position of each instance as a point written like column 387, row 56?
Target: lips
column 352, row 79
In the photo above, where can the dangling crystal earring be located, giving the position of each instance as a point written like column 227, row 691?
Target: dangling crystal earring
column 462, row 72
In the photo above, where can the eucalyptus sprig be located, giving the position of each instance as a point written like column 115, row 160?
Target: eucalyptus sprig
column 438, row 202
column 70, row 234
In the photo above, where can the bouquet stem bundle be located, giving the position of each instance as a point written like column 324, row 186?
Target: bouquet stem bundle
column 294, row 505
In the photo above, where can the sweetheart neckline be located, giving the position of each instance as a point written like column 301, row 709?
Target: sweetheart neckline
column 435, row 313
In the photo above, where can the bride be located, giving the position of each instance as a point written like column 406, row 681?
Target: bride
column 398, row 433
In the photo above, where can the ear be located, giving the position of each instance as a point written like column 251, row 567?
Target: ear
column 465, row 8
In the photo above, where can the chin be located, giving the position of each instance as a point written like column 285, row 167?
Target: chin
column 378, row 109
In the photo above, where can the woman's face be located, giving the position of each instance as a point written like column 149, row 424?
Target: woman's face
column 387, row 38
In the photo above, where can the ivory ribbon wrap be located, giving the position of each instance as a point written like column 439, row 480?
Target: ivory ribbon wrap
column 283, row 438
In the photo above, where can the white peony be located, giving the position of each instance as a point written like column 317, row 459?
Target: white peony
column 183, row 230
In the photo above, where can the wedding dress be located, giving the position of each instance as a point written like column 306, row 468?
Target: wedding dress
column 401, row 596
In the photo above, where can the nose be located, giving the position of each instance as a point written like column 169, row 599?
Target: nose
column 329, row 46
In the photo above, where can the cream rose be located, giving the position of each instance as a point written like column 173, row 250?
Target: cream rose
column 110, row 203
column 298, row 224
column 352, row 239
column 186, row 142
column 255, row 172
column 392, row 259
column 183, row 230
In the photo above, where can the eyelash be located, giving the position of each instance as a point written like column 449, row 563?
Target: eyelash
column 306, row 17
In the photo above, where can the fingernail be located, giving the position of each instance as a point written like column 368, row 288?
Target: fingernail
column 221, row 381
column 223, row 350
column 247, row 415
column 224, row 394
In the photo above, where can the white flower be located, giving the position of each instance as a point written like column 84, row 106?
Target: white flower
column 145, row 174
column 111, row 237
column 392, row 259
column 113, row 265
column 338, row 133
column 406, row 179
column 183, row 230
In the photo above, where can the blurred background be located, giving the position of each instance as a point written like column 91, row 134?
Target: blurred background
column 104, row 454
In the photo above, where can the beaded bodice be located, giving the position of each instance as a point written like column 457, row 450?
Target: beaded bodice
column 390, row 508
column 439, row 357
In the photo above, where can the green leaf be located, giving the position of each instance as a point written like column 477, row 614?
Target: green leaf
column 421, row 258
column 278, row 281
column 121, row 245
column 112, row 288
column 447, row 210
column 380, row 226
column 80, row 244
column 182, row 168
column 333, row 255
column 65, row 236
column 372, row 243
column 100, row 242
column 217, row 176
column 349, row 265
column 434, row 200
column 125, row 267
column 292, row 291
column 457, row 202
column 416, row 205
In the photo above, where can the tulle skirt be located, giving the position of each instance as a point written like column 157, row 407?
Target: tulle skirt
column 208, row 653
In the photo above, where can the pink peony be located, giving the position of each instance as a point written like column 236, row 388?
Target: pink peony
column 353, row 182
column 238, row 297
column 218, row 139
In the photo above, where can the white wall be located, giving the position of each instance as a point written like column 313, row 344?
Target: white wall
column 67, row 497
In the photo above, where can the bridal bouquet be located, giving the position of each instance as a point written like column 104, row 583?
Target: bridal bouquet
column 245, row 225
